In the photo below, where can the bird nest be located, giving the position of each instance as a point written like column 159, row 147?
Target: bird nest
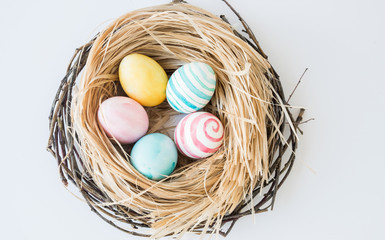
column 200, row 196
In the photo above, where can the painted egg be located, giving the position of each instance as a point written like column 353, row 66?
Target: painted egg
column 199, row 135
column 191, row 87
column 143, row 79
column 155, row 156
column 123, row 119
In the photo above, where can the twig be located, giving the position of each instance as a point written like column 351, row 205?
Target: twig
column 178, row 1
column 299, row 81
column 306, row 121
column 247, row 28
column 303, row 122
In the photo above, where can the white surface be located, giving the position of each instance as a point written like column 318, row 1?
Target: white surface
column 342, row 43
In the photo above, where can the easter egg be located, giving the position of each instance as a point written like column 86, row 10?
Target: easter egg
column 199, row 135
column 143, row 79
column 191, row 87
column 155, row 156
column 123, row 119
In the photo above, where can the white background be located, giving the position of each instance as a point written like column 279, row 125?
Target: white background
column 342, row 44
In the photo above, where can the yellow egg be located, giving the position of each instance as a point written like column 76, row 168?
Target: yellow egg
column 143, row 79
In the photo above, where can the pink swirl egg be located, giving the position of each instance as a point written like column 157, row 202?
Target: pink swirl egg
column 123, row 118
column 199, row 135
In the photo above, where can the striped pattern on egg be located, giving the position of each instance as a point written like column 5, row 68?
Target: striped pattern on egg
column 199, row 135
column 191, row 87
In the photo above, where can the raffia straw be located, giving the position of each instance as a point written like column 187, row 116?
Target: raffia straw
column 200, row 193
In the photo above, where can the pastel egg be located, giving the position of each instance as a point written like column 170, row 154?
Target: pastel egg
column 199, row 135
column 143, row 79
column 123, row 118
column 155, row 156
column 191, row 87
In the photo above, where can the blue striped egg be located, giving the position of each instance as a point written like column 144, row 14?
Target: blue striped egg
column 191, row 87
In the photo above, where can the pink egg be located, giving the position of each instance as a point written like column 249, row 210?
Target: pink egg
column 199, row 135
column 123, row 118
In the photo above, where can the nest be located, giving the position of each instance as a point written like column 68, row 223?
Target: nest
column 201, row 196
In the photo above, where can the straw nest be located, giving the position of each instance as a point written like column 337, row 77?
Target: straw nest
column 201, row 195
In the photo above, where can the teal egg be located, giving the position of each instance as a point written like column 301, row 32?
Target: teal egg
column 191, row 87
column 155, row 156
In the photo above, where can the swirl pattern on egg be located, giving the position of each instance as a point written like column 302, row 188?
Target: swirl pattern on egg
column 199, row 135
column 191, row 87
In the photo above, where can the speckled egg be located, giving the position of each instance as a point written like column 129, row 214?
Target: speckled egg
column 143, row 79
column 191, row 87
column 199, row 135
column 123, row 118
column 155, row 156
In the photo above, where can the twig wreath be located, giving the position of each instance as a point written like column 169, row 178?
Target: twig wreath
column 201, row 196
